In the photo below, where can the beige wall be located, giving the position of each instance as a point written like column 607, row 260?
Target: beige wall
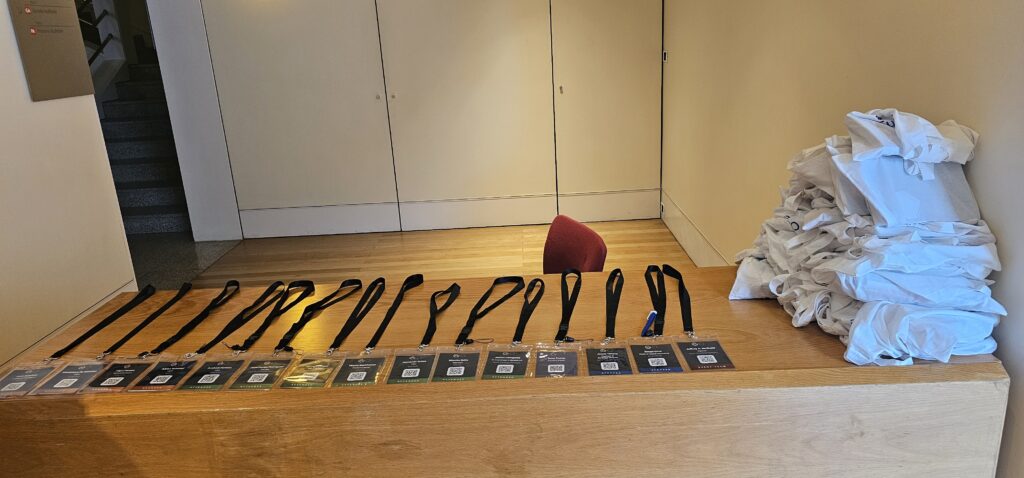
column 751, row 82
column 62, row 244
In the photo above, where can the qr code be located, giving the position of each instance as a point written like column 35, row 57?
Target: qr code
column 10, row 387
column 358, row 376
column 209, row 378
column 609, row 365
column 411, row 373
column 110, row 382
column 556, row 368
column 505, row 368
column 257, row 378
column 707, row 359
column 160, row 379
column 456, row 371
column 657, row 362
column 67, row 382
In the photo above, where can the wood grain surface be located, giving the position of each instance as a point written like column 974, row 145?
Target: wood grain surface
column 793, row 407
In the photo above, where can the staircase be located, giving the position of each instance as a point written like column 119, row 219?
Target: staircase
column 137, row 131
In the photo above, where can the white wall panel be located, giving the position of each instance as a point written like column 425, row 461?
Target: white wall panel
column 469, row 85
column 302, row 94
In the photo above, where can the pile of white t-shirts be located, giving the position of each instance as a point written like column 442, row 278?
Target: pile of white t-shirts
column 879, row 241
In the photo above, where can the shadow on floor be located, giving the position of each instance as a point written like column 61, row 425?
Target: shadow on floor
column 168, row 259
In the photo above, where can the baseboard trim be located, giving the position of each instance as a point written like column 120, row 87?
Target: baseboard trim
column 319, row 220
column 611, row 206
column 462, row 213
column 689, row 236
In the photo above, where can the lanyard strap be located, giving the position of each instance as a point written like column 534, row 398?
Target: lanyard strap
column 657, row 292
column 529, row 304
column 411, row 282
column 230, row 289
column 568, row 303
column 304, row 288
column 684, row 298
column 479, row 311
column 139, row 298
column 163, row 308
column 366, row 303
column 268, row 297
column 312, row 311
column 452, row 292
column 612, row 293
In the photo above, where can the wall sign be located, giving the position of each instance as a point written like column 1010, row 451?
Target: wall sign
column 52, row 49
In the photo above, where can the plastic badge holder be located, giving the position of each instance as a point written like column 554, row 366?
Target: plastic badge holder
column 262, row 372
column 608, row 357
column 412, row 365
column 506, row 362
column 655, row 355
column 168, row 373
column 362, row 369
column 557, row 360
column 703, row 353
column 457, row 364
column 312, row 371
column 22, row 379
column 70, row 379
column 213, row 373
column 119, row 375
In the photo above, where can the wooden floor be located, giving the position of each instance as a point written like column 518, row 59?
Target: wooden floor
column 449, row 254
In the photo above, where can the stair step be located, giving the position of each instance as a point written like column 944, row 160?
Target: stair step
column 138, row 90
column 136, row 128
column 162, row 169
column 140, row 149
column 155, row 219
column 122, row 109
column 144, row 72
column 150, row 193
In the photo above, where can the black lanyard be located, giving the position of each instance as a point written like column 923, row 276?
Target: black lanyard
column 230, row 289
column 304, row 288
column 568, row 304
column 529, row 304
column 139, row 298
column 452, row 293
column 366, row 303
column 411, row 282
column 659, row 299
column 684, row 298
column 268, row 297
column 163, row 308
column 479, row 312
column 612, row 293
column 312, row 311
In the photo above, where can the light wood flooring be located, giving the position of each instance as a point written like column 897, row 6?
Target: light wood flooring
column 448, row 254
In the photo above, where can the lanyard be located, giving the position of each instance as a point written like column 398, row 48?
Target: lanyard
column 529, row 304
column 477, row 313
column 684, row 298
column 139, row 298
column 312, row 311
column 452, row 292
column 268, row 297
column 658, row 298
column 568, row 304
column 411, row 282
column 304, row 288
column 366, row 303
column 613, row 291
column 230, row 289
column 138, row 328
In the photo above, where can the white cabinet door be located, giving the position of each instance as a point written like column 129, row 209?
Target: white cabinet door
column 607, row 64
column 301, row 89
column 469, row 85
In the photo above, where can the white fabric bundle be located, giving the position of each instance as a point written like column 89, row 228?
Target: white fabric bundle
column 878, row 240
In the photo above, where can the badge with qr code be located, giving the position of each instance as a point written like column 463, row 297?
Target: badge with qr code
column 360, row 370
column 260, row 374
column 506, row 362
column 705, row 355
column 212, row 375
